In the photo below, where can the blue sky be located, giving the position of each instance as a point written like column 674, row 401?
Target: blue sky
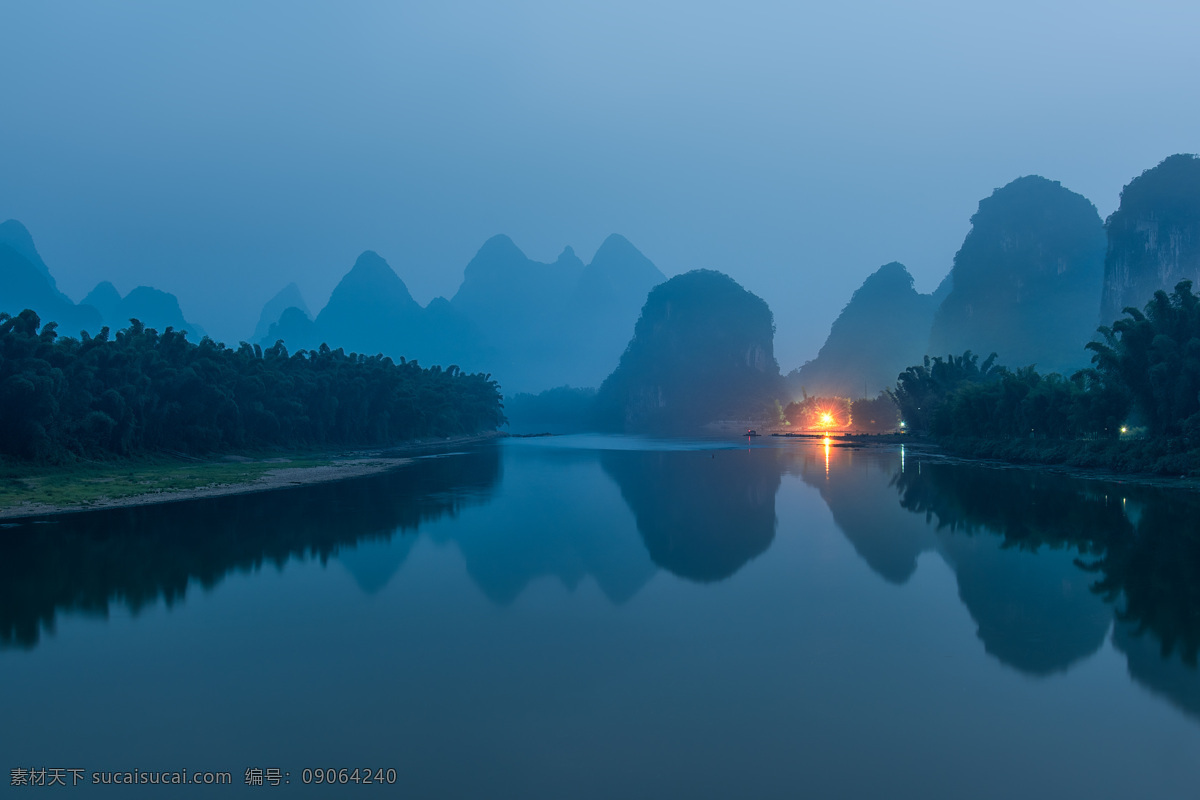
column 219, row 150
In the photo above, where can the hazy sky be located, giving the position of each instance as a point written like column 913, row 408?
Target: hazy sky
column 219, row 150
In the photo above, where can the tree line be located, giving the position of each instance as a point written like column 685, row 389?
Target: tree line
column 144, row 392
column 1145, row 374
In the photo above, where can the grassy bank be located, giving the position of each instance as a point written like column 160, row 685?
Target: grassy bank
column 1174, row 457
column 30, row 490
column 88, row 483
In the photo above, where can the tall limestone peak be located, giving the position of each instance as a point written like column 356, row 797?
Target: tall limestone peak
column 882, row 330
column 372, row 282
column 1153, row 236
column 1026, row 281
column 14, row 234
column 370, row 310
column 702, row 351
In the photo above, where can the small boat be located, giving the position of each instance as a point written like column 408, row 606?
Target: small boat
column 752, row 433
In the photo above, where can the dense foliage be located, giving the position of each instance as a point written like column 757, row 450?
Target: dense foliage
column 1155, row 357
column 958, row 397
column 142, row 391
column 1145, row 376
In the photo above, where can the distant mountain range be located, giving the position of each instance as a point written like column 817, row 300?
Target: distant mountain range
column 532, row 325
column 26, row 282
column 1035, row 276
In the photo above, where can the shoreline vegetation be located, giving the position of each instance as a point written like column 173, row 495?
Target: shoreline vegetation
column 141, row 393
column 36, row 491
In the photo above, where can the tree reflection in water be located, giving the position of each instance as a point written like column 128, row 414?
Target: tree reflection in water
column 136, row 556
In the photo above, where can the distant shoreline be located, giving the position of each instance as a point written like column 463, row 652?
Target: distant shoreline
column 946, row 453
column 261, row 475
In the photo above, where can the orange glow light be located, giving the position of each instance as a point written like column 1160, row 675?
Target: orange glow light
column 827, row 418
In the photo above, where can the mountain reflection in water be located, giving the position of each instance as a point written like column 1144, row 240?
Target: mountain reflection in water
column 702, row 514
column 1045, row 564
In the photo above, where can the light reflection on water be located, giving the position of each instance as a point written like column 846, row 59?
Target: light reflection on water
column 598, row 616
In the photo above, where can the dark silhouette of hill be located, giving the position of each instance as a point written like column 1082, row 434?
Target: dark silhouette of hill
column 702, row 351
column 1153, row 236
column 370, row 311
column 288, row 297
column 1027, row 280
column 25, row 282
column 882, row 331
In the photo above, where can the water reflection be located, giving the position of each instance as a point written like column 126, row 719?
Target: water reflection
column 137, row 556
column 1046, row 564
column 703, row 514
column 558, row 517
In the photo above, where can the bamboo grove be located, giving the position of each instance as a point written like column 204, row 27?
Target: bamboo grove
column 142, row 392
column 1145, row 381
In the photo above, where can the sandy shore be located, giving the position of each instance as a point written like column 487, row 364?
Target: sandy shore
column 343, row 466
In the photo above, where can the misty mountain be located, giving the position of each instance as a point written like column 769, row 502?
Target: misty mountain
column 1153, row 236
column 702, row 351
column 15, row 235
column 1026, row 282
column 559, row 323
column 532, row 325
column 603, row 309
column 295, row 328
column 288, row 297
column 883, row 330
column 25, row 282
column 104, row 298
column 152, row 307
column 371, row 311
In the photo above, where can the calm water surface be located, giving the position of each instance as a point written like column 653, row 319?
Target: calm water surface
column 617, row 617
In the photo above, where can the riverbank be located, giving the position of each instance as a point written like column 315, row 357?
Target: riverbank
column 28, row 491
column 1144, row 462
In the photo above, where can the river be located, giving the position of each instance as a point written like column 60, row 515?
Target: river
column 602, row 616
